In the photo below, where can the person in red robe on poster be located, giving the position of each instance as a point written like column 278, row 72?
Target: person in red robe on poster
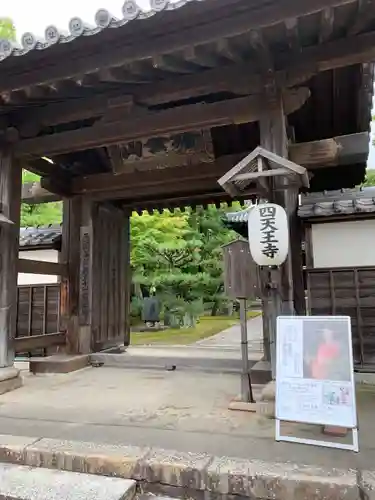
column 327, row 355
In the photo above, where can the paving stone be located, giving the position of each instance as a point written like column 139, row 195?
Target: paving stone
column 93, row 458
column 27, row 483
column 256, row 479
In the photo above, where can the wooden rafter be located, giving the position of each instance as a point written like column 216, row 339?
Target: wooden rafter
column 365, row 14
column 240, row 78
column 326, row 25
column 331, row 55
column 176, row 120
column 292, row 32
column 292, row 68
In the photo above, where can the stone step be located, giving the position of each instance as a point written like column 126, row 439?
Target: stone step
column 205, row 359
column 27, row 483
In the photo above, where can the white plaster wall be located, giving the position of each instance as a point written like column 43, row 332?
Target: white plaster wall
column 344, row 244
column 36, row 279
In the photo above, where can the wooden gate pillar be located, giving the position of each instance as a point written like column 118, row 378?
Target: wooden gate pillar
column 285, row 193
column 70, row 284
column 10, row 204
column 110, row 316
column 95, row 294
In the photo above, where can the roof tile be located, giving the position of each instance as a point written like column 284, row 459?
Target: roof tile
column 77, row 27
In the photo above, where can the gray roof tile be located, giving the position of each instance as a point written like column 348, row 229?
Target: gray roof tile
column 39, row 236
column 331, row 203
column 79, row 28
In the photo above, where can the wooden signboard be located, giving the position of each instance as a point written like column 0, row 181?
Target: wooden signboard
column 85, row 277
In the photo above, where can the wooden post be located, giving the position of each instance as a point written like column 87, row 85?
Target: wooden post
column 75, row 309
column 10, row 201
column 70, row 282
column 85, row 277
column 273, row 137
column 110, row 279
column 281, row 295
column 126, row 276
column 246, row 389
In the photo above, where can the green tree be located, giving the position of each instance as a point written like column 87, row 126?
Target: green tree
column 181, row 256
column 43, row 214
column 7, row 29
column 370, row 178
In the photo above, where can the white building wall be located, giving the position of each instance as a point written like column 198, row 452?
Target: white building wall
column 48, row 255
column 344, row 244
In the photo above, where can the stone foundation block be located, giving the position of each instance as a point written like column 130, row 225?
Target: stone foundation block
column 10, row 379
column 92, row 458
column 12, row 448
column 175, row 468
column 256, row 479
column 59, row 363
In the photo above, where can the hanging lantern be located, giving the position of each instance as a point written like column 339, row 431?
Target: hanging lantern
column 268, row 234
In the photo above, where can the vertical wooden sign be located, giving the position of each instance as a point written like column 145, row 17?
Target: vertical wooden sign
column 85, row 276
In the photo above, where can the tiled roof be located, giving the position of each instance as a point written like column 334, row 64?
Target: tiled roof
column 314, row 205
column 334, row 203
column 79, row 28
column 241, row 216
column 39, row 236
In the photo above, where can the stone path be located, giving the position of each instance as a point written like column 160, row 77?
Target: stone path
column 182, row 410
column 232, row 336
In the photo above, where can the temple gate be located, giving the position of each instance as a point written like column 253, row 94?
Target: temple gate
column 149, row 111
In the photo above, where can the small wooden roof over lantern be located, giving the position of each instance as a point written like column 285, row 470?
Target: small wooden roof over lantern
column 258, row 166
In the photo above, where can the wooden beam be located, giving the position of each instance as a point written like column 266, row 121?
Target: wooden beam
column 60, row 185
column 182, row 201
column 27, row 344
column 142, row 47
column 341, row 150
column 109, row 181
column 236, row 78
column 331, row 55
column 41, row 267
column 33, row 193
column 197, row 117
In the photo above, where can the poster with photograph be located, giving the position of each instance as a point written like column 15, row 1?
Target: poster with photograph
column 314, row 370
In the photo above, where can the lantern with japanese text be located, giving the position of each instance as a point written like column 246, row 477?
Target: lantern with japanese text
column 268, row 234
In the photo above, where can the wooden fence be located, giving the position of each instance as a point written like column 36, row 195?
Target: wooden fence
column 348, row 292
column 38, row 311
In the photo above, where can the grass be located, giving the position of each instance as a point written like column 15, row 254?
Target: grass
column 207, row 326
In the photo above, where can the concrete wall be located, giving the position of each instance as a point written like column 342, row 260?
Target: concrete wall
column 344, row 244
column 36, row 279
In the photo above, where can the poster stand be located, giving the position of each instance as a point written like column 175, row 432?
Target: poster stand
column 326, row 444
column 315, row 377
